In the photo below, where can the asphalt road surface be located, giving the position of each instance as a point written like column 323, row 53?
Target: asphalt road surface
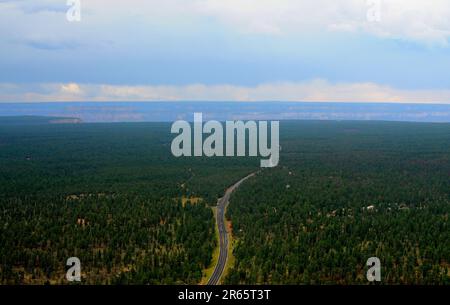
column 223, row 237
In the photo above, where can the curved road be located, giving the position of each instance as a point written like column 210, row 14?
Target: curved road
column 223, row 237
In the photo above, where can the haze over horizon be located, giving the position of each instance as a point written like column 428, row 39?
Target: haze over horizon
column 222, row 111
column 210, row 50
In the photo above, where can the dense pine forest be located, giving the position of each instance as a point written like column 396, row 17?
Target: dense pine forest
column 114, row 196
column 111, row 195
column 345, row 192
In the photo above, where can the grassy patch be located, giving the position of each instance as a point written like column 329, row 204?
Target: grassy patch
column 215, row 256
column 190, row 200
column 230, row 257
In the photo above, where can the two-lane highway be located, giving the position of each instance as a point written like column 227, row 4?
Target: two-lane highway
column 223, row 236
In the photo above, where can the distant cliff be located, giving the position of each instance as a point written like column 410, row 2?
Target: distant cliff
column 222, row 111
column 36, row 120
column 65, row 121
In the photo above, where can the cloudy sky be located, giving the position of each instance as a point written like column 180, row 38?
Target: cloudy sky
column 227, row 50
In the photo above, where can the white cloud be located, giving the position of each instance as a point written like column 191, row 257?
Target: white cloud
column 425, row 21
column 308, row 91
column 71, row 88
column 417, row 20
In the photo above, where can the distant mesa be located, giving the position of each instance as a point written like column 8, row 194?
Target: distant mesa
column 37, row 120
column 66, row 121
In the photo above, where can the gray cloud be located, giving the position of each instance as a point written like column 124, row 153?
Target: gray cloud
column 51, row 45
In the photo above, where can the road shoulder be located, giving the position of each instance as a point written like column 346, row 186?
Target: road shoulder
column 229, row 264
column 206, row 273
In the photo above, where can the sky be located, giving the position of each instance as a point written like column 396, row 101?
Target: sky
column 392, row 51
